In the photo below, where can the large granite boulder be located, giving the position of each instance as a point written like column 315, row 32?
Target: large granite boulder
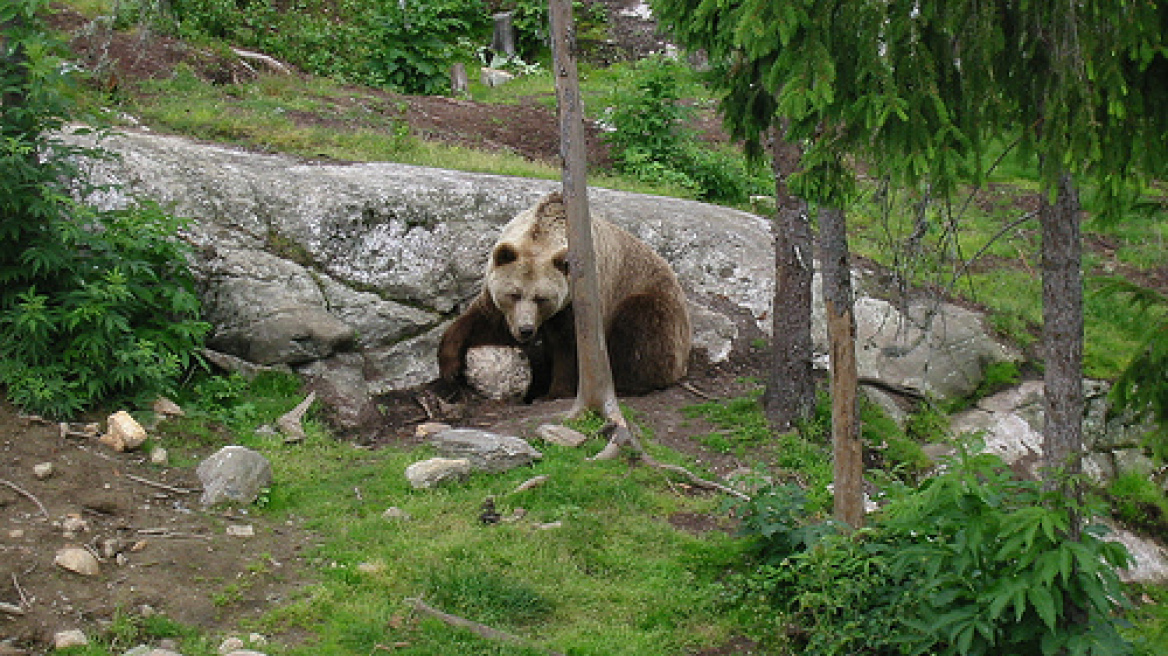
column 348, row 272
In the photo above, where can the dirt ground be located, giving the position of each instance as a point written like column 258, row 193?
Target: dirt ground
column 159, row 550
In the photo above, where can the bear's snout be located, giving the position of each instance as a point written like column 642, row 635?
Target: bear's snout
column 524, row 333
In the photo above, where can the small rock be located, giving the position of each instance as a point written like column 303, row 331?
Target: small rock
column 498, row 372
column 42, row 470
column 146, row 650
column 140, row 545
column 436, row 471
column 123, row 432
column 241, row 530
column 70, row 638
column 78, row 560
column 493, row 77
column 489, row 452
column 74, row 524
column 164, row 407
column 547, row 526
column 257, row 639
column 245, row 652
column 393, row 512
column 560, row 435
column 110, row 548
column 159, row 456
column 16, row 533
column 233, row 473
column 430, row 428
column 231, row 644
column 371, row 568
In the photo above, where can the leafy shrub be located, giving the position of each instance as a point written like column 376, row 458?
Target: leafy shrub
column 94, row 306
column 651, row 141
column 974, row 562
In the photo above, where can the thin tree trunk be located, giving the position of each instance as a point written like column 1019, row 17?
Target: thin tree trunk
column 790, row 392
column 1062, row 334
column 595, row 390
column 847, row 450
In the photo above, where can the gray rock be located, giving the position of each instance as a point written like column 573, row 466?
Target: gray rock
column 489, row 452
column 145, row 650
column 234, row 474
column 301, row 262
column 436, row 471
column 1149, row 558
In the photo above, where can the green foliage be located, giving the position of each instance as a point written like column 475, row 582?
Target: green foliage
column 406, row 46
column 492, row 598
column 974, row 562
column 94, row 305
column 651, row 141
column 1138, row 502
column 1142, row 387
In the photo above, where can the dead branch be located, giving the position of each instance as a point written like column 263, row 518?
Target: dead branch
column 27, row 495
column 481, row 630
column 695, row 391
column 621, row 436
column 11, row 609
column 161, row 486
column 271, row 63
column 290, row 424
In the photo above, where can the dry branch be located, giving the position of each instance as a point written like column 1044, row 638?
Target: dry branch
column 620, row 436
column 161, row 486
column 481, row 630
column 290, row 425
column 28, row 495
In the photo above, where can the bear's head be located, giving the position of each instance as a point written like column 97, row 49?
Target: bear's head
column 527, row 274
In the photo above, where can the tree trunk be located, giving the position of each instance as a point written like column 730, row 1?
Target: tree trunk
column 595, row 390
column 1062, row 335
column 790, row 392
column 847, row 450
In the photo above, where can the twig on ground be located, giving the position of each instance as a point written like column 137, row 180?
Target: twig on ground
column 481, row 630
column 161, row 486
column 20, row 591
column 11, row 609
column 28, row 495
column 689, row 387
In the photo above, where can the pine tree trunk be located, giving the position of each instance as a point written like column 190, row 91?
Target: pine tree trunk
column 847, row 450
column 595, row 390
column 1062, row 334
column 790, row 391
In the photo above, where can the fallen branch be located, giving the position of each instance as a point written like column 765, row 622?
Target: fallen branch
column 290, row 422
column 695, row 391
column 161, row 486
column 28, row 495
column 481, row 630
column 271, row 62
column 11, row 609
column 622, row 437
column 24, row 603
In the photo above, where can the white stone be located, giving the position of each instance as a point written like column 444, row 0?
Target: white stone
column 231, row 644
column 78, row 560
column 159, row 456
column 436, row 471
column 498, row 372
column 123, row 432
column 42, row 470
column 70, row 638
column 395, row 513
column 241, row 530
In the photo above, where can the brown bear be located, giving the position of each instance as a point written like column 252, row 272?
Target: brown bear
column 526, row 301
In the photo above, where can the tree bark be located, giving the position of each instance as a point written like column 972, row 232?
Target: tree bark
column 790, row 391
column 1062, row 335
column 595, row 390
column 847, row 450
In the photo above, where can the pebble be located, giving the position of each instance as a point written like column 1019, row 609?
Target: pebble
column 78, row 560
column 70, row 638
column 42, row 470
column 241, row 530
column 231, row 644
column 393, row 512
column 159, row 456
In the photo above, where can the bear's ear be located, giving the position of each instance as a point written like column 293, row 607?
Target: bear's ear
column 504, row 254
column 560, row 261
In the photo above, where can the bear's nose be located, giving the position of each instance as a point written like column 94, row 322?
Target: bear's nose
column 526, row 333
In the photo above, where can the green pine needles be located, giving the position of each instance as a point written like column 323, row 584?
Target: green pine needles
column 95, row 306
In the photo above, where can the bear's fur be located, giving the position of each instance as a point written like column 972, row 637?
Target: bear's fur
column 526, row 301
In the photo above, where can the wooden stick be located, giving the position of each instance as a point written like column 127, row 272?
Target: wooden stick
column 622, row 436
column 161, row 486
column 481, row 630
column 28, row 495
